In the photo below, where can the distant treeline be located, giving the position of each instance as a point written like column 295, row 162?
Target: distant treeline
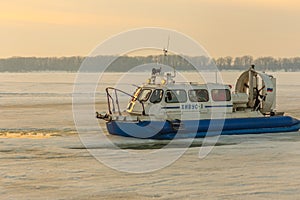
column 125, row 63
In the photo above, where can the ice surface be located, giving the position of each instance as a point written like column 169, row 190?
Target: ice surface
column 42, row 157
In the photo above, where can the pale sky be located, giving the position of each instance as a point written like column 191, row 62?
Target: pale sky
column 223, row 27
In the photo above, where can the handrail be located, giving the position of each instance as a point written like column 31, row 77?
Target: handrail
column 117, row 100
column 108, row 102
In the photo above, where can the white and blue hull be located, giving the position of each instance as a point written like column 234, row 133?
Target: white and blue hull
column 202, row 128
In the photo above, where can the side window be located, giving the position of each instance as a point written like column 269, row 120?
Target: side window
column 199, row 95
column 156, row 96
column 175, row 96
column 144, row 95
column 220, row 95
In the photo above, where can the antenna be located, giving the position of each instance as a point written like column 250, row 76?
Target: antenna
column 165, row 50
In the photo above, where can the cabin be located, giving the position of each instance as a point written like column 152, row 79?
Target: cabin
column 181, row 100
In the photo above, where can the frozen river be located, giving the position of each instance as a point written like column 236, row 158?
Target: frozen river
column 42, row 156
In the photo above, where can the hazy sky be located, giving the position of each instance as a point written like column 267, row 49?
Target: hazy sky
column 223, row 27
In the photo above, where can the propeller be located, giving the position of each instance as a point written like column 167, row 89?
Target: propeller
column 259, row 98
column 259, row 94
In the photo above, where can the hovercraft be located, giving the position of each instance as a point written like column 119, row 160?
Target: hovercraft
column 167, row 109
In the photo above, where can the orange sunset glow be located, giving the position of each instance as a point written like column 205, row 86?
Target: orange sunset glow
column 65, row 28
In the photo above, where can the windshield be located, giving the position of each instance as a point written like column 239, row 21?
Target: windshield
column 144, row 95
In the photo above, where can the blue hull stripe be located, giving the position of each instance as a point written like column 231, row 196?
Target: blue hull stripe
column 170, row 107
column 202, row 128
column 219, row 106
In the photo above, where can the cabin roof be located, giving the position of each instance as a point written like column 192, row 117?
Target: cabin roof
column 187, row 85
